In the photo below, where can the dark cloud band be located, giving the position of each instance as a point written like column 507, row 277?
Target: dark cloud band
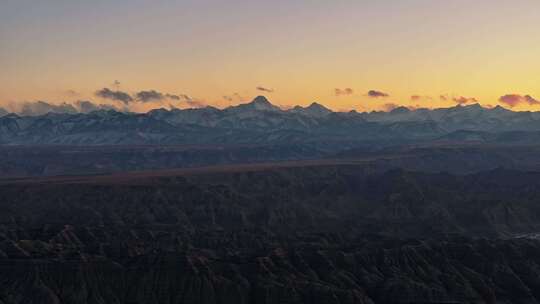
column 377, row 94
column 107, row 93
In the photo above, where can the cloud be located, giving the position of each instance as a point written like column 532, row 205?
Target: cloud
column 233, row 97
column 42, row 107
column 85, row 106
column 71, row 93
column 107, row 93
column 343, row 92
column 151, row 95
column 461, row 100
column 172, row 96
column 263, row 89
column 36, row 108
column 530, row 100
column 190, row 101
column 420, row 97
column 389, row 106
column 513, row 100
column 377, row 94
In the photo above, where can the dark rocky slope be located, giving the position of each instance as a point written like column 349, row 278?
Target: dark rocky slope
column 317, row 269
column 327, row 234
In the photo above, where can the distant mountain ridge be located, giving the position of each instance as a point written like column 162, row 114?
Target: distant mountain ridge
column 315, row 109
column 260, row 121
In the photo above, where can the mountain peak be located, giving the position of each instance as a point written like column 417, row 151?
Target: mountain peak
column 316, row 105
column 262, row 100
column 500, row 109
column 474, row 106
column 314, row 109
column 467, row 107
column 318, row 109
column 260, row 103
column 400, row 110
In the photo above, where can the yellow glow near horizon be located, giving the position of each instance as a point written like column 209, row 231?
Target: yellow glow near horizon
column 304, row 51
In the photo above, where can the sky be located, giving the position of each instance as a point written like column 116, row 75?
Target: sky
column 346, row 54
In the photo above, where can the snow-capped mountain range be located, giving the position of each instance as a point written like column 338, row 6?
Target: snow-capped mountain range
column 260, row 121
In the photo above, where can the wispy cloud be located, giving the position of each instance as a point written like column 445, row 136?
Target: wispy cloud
column 42, row 107
column 461, row 100
column 71, row 93
column 264, row 89
column 235, row 97
column 191, row 101
column 420, row 97
column 116, row 84
column 172, row 96
column 389, row 106
column 86, row 106
column 343, row 92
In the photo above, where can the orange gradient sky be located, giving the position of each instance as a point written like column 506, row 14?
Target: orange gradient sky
column 303, row 50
